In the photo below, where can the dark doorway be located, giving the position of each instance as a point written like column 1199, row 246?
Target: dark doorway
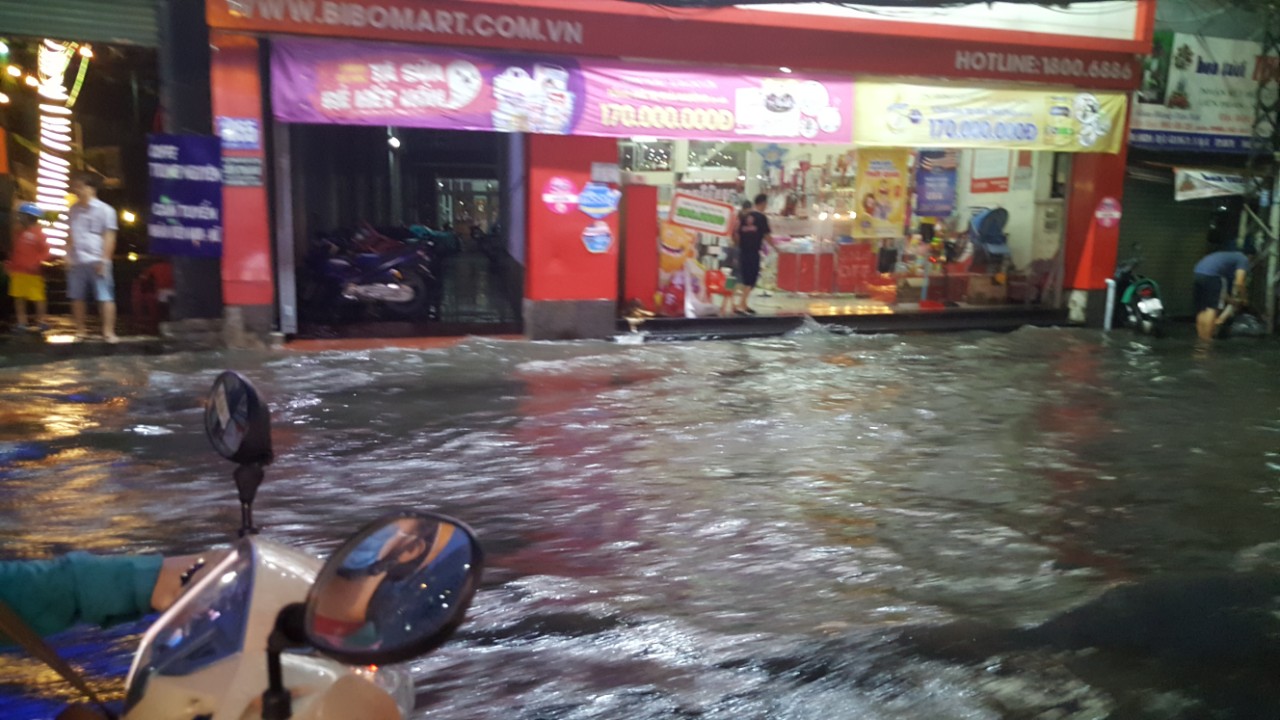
column 384, row 214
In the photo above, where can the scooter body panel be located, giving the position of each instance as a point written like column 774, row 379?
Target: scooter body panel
column 231, row 688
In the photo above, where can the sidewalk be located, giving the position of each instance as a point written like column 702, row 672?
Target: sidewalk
column 352, row 344
column 59, row 343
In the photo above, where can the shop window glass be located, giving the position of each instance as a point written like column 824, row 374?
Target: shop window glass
column 713, row 154
column 648, row 156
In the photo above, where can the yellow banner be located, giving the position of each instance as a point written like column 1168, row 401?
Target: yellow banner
column 882, row 193
column 900, row 115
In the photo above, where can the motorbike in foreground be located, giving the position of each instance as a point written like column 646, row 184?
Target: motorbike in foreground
column 270, row 632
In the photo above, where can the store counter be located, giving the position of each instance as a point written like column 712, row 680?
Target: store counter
column 807, row 268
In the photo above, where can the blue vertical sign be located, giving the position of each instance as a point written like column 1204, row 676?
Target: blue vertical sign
column 936, row 183
column 185, row 217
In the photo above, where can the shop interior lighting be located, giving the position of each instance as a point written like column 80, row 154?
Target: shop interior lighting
column 53, row 170
column 128, row 216
column 4, row 99
column 784, row 69
column 32, row 81
column 394, row 142
column 79, row 83
column 4, row 48
column 14, row 71
column 86, row 51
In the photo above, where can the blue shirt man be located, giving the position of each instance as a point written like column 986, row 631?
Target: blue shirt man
column 1215, row 275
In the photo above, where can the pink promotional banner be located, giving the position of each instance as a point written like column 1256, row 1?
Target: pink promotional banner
column 717, row 104
column 354, row 83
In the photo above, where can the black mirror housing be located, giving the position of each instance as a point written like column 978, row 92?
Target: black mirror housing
column 237, row 421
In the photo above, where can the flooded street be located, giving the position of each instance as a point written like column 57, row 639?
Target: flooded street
column 1043, row 524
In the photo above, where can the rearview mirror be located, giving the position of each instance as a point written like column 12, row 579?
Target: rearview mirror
column 237, row 422
column 395, row 590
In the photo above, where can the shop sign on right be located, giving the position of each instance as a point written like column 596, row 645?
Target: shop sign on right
column 1199, row 93
column 890, row 114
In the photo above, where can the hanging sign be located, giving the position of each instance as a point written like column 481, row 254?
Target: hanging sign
column 695, row 213
column 416, row 86
column 1199, row 93
column 242, row 171
column 936, row 183
column 1189, row 184
column 185, row 188
column 882, row 192
column 239, row 133
column 901, row 115
column 990, row 172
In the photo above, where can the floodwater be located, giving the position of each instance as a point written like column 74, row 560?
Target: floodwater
column 1043, row 524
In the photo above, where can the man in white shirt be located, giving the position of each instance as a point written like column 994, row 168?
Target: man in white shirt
column 93, row 241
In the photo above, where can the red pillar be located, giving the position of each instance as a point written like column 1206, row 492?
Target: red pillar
column 1092, row 245
column 247, row 278
column 570, row 292
column 640, row 205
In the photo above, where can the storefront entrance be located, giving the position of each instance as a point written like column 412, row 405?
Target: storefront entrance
column 399, row 231
column 936, row 229
column 885, row 193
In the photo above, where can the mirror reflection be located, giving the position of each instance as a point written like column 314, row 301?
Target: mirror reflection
column 394, row 587
column 227, row 414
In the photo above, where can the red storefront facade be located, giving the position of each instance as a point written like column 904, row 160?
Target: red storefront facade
column 581, row 290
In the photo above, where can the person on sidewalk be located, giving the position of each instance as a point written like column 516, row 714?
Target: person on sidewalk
column 753, row 233
column 93, row 242
column 1216, row 275
column 26, row 281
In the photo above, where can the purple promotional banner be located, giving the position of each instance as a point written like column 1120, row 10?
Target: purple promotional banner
column 352, row 83
column 342, row 82
column 936, row 183
column 186, row 195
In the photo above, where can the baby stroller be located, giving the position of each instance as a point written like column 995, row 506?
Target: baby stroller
column 990, row 244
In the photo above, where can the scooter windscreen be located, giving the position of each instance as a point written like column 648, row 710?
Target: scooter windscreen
column 206, row 625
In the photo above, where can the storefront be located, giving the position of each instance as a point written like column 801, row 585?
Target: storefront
column 615, row 181
column 1190, row 136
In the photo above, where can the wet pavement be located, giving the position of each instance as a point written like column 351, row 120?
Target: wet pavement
column 1042, row 524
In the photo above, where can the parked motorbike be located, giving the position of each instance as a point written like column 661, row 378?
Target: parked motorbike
column 271, row 632
column 1139, row 305
column 373, row 270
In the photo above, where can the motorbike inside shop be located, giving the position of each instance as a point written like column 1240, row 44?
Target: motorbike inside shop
column 400, row 232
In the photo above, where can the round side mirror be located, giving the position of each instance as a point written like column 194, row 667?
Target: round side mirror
column 236, row 420
column 394, row 591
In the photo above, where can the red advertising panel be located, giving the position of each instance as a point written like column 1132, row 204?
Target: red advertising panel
column 573, row 223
